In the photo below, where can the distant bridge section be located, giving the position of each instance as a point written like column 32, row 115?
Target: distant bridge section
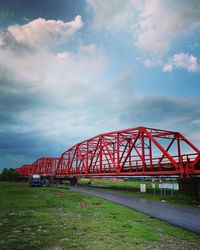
column 130, row 152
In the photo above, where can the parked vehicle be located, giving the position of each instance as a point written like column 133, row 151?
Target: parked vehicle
column 44, row 183
column 37, row 181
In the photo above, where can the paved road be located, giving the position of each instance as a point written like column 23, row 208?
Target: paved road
column 187, row 218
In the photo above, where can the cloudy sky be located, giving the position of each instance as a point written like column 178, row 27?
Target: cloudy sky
column 72, row 69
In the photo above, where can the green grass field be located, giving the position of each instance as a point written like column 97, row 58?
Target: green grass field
column 125, row 184
column 52, row 218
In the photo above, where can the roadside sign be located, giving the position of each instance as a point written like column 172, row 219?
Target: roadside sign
column 167, row 186
column 172, row 186
column 176, row 186
column 153, row 185
column 143, row 188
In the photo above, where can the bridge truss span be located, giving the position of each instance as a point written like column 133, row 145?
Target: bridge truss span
column 45, row 166
column 135, row 151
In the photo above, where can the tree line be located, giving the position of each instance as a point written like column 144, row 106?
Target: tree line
column 9, row 175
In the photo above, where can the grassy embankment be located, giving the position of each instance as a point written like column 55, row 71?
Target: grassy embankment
column 52, row 218
column 133, row 188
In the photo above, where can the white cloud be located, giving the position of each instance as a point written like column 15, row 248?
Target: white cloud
column 63, row 55
column 151, row 62
column 66, row 89
column 45, row 33
column 154, row 24
column 167, row 67
column 111, row 15
column 184, row 61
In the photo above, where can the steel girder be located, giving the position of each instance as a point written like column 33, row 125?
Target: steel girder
column 135, row 151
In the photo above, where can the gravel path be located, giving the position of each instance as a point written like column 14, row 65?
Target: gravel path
column 186, row 218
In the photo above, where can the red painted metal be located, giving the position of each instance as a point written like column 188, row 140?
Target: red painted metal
column 133, row 152
column 44, row 166
column 24, row 171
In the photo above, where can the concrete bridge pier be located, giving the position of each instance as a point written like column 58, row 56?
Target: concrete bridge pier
column 73, row 181
column 190, row 186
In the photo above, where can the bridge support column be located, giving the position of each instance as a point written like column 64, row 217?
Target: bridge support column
column 190, row 186
column 73, row 181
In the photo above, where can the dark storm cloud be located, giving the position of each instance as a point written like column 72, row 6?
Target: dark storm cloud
column 19, row 142
column 166, row 113
column 18, row 148
column 154, row 109
column 17, row 136
column 31, row 144
column 15, row 96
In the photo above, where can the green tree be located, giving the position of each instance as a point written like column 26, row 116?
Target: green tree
column 4, row 174
column 9, row 175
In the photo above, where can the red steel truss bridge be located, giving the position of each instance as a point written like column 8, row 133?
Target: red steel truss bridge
column 130, row 152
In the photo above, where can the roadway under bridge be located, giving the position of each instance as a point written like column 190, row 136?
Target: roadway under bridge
column 137, row 151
